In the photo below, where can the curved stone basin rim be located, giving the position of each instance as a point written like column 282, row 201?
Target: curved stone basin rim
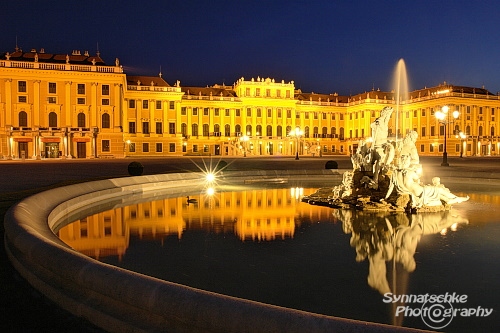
column 123, row 301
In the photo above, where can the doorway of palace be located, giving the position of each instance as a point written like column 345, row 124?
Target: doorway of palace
column 81, row 150
column 271, row 148
column 217, row 150
column 51, row 149
column 23, row 149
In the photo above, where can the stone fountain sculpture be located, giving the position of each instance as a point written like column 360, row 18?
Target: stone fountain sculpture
column 386, row 177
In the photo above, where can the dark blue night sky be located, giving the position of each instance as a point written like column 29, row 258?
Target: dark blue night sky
column 324, row 46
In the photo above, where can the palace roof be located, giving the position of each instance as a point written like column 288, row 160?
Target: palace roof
column 143, row 80
column 76, row 57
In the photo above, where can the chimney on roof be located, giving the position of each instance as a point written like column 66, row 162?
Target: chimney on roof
column 33, row 50
column 86, row 53
column 76, row 52
column 42, row 50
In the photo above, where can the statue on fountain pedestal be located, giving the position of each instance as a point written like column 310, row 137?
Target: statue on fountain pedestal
column 386, row 176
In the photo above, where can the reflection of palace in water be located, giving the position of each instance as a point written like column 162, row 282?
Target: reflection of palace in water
column 257, row 215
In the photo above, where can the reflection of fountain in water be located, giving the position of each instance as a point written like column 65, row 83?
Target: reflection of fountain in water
column 400, row 86
column 392, row 239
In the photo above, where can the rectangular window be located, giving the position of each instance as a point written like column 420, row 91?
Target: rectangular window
column 205, row 111
column 278, row 93
column 80, row 100
column 21, row 86
column 422, row 148
column 131, row 127
column 52, row 100
column 159, row 127
column 172, row 147
column 195, row 111
column 145, row 127
column 422, row 132
column 131, row 147
column 171, row 128
column 131, row 103
column 105, row 145
column 227, row 113
column 145, row 147
column 105, row 101
column 257, row 92
column 433, row 131
column 280, row 113
column 145, row 104
column 159, row 147
column 105, row 89
column 238, row 113
column 216, row 112
column 81, row 88
column 247, row 92
column 22, row 99
column 268, row 92
column 269, row 113
column 158, row 105
column 183, row 111
column 52, row 88
column 249, row 112
column 259, row 112
column 289, row 114
column 306, row 115
column 288, row 94
column 195, row 148
column 171, row 105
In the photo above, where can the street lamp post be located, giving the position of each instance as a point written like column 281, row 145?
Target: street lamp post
column 297, row 133
column 463, row 136
column 244, row 139
column 444, row 118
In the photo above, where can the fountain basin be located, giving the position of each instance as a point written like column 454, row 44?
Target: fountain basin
column 119, row 300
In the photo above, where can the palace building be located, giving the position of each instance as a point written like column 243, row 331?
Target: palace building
column 76, row 106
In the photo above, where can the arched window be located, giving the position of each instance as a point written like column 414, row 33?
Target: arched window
column 324, row 131
column 249, row 130
column 237, row 129
column 184, row 129
column 258, row 130
column 467, row 130
column 279, row 131
column 492, row 132
column 306, row 132
column 194, row 129
column 23, row 119
column 205, row 130
column 217, row 128
column 105, row 120
column 334, row 131
column 288, row 130
column 81, row 119
column 480, row 130
column 341, row 133
column 52, row 119
column 227, row 130
column 315, row 131
column 269, row 130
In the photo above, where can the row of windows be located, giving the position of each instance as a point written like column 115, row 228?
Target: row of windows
column 145, row 104
column 81, row 120
column 52, row 88
column 53, row 100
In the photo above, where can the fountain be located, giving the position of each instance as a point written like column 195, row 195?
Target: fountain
column 387, row 173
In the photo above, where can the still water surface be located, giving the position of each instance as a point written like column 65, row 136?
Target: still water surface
column 264, row 244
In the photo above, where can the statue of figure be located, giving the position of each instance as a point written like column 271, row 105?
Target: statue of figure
column 409, row 148
column 406, row 179
column 383, row 151
column 67, row 59
column 117, row 62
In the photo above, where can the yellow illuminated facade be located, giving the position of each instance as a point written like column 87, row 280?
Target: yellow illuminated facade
column 76, row 106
